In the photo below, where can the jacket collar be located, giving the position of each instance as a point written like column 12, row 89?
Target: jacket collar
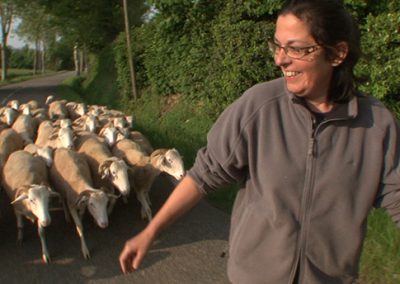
column 348, row 110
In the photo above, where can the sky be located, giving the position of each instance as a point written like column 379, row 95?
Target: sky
column 15, row 41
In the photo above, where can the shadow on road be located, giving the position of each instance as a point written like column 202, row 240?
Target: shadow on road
column 188, row 251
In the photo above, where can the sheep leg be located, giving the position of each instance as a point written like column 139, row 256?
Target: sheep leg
column 81, row 211
column 148, row 198
column 66, row 212
column 45, row 252
column 20, row 228
column 111, row 206
column 145, row 210
column 79, row 229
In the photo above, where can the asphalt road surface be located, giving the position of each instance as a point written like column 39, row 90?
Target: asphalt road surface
column 187, row 252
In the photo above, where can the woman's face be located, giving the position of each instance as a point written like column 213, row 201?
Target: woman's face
column 309, row 76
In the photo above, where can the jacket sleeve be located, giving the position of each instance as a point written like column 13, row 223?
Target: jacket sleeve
column 225, row 158
column 389, row 194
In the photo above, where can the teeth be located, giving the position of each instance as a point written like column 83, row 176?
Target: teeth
column 291, row 73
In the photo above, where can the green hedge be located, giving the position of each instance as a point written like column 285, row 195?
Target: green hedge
column 213, row 50
column 206, row 51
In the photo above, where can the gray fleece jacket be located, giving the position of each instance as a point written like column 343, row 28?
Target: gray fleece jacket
column 306, row 192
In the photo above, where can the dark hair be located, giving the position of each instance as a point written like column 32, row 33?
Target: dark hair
column 330, row 24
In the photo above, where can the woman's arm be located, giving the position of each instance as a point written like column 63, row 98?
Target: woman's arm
column 182, row 199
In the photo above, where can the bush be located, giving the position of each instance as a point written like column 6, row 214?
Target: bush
column 381, row 62
column 211, row 51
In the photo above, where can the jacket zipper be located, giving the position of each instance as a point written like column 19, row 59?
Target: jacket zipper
column 306, row 201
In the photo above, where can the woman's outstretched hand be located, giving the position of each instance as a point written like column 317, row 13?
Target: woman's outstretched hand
column 181, row 200
column 134, row 251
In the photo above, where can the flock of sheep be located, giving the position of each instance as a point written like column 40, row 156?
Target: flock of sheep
column 84, row 156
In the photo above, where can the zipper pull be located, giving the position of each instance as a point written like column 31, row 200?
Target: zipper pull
column 311, row 144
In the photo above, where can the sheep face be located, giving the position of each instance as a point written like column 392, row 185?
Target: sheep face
column 49, row 99
column 80, row 109
column 97, row 202
column 10, row 115
column 26, row 109
column 47, row 154
column 119, row 176
column 14, row 104
column 172, row 164
column 65, row 123
column 91, row 123
column 36, row 200
column 119, row 122
column 66, row 138
column 110, row 135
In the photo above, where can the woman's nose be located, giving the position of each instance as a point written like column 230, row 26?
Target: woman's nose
column 281, row 57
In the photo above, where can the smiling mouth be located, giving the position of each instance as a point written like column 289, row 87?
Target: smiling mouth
column 290, row 73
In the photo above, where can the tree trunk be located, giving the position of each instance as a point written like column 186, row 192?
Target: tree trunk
column 81, row 62
column 129, row 51
column 6, row 13
column 36, row 58
column 76, row 61
column 42, row 58
column 3, row 59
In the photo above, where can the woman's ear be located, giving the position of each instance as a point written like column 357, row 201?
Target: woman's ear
column 341, row 50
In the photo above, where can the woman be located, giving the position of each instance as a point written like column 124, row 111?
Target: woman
column 312, row 154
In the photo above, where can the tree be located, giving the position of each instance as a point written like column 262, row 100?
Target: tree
column 6, row 14
column 129, row 51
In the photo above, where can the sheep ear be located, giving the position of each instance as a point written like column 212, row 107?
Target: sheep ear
column 53, row 193
column 83, row 197
column 113, row 196
column 81, row 200
column 104, row 169
column 21, row 197
column 54, row 134
column 101, row 132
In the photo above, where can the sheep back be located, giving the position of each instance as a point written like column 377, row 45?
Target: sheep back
column 22, row 168
column 70, row 173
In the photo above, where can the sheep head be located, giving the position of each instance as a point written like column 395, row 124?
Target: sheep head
column 171, row 163
column 96, row 202
column 116, row 170
column 66, row 138
column 36, row 200
column 109, row 132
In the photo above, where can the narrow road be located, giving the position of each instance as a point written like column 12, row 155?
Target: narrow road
column 37, row 89
column 188, row 252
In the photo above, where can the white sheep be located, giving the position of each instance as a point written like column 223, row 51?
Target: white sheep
column 87, row 122
column 40, row 115
column 25, row 109
column 57, row 109
column 137, row 137
column 46, row 153
column 25, row 126
column 144, row 169
column 50, row 99
column 8, row 115
column 107, row 170
column 14, row 104
column 48, row 135
column 71, row 176
column 109, row 133
column 144, row 143
column 10, row 141
column 25, row 180
column 75, row 109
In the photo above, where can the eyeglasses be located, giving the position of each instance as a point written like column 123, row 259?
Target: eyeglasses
column 292, row 51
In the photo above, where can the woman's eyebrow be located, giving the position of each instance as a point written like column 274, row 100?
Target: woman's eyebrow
column 290, row 41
